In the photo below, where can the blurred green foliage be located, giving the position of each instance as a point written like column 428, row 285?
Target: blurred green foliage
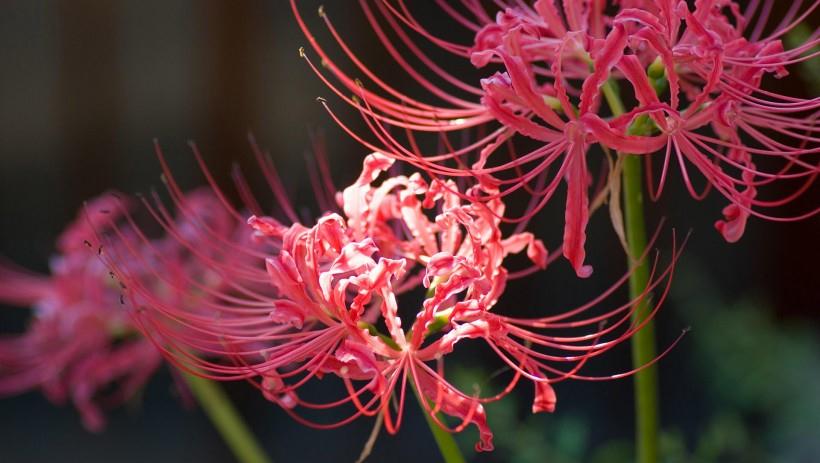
column 529, row 438
column 810, row 69
column 761, row 376
column 756, row 379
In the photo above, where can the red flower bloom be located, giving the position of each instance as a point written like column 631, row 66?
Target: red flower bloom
column 82, row 344
column 80, row 340
column 335, row 306
column 555, row 63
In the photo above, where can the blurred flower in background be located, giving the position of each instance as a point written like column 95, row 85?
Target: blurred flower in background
column 80, row 346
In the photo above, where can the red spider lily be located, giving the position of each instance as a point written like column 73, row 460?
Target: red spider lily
column 80, row 340
column 334, row 308
column 82, row 344
column 701, row 102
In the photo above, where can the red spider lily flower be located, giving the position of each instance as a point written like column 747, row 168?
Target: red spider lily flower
column 696, row 74
column 80, row 341
column 82, row 344
column 718, row 61
column 337, row 307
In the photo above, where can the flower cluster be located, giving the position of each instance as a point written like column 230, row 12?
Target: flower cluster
column 400, row 271
column 342, row 300
column 691, row 77
column 82, row 344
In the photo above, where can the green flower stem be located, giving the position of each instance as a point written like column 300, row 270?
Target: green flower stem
column 643, row 342
column 226, row 419
column 447, row 445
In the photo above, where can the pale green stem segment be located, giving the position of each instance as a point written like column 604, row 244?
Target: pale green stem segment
column 447, row 445
column 226, row 419
column 644, row 350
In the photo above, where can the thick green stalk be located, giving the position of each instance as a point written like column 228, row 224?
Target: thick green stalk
column 226, row 419
column 643, row 342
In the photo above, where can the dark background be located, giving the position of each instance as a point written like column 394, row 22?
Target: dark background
column 84, row 88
